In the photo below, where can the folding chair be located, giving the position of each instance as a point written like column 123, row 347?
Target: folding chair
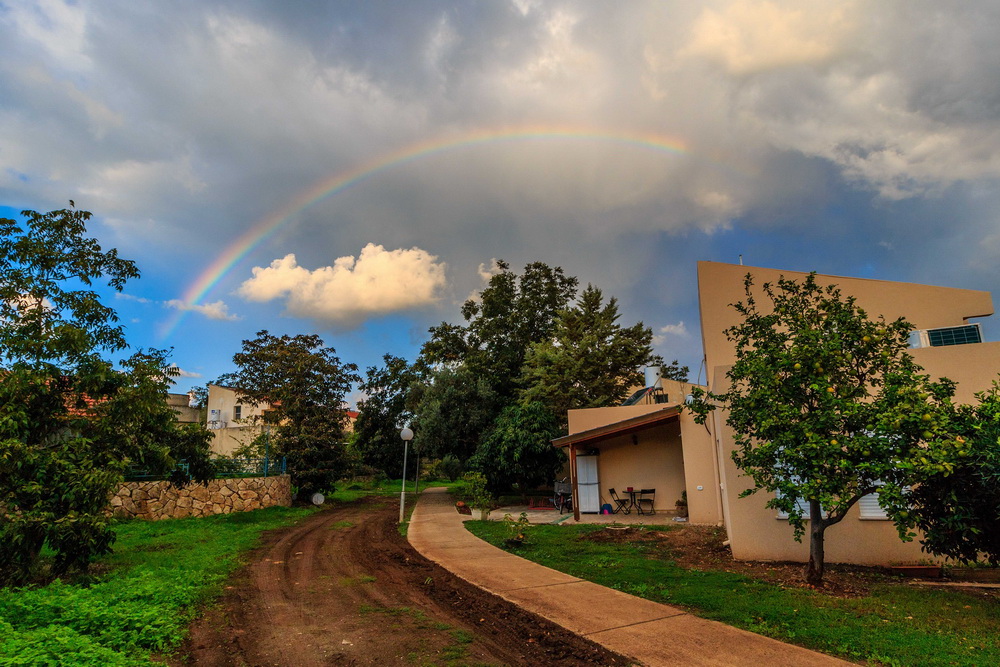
column 621, row 504
column 647, row 496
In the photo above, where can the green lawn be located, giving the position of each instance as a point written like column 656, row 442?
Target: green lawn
column 896, row 624
column 153, row 583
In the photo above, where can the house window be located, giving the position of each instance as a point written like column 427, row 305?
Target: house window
column 960, row 335
column 803, row 506
column 238, row 413
column 870, row 508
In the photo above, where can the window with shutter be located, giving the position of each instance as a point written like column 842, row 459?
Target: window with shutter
column 870, row 508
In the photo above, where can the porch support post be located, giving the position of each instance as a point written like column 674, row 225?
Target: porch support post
column 573, row 477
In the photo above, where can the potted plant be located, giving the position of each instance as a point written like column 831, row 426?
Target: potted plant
column 682, row 504
column 516, row 529
column 480, row 498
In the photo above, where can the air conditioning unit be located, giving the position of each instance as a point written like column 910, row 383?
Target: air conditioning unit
column 960, row 335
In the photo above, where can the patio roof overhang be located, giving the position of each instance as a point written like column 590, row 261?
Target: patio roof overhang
column 623, row 427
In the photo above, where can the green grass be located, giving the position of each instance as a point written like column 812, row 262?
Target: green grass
column 896, row 624
column 152, row 586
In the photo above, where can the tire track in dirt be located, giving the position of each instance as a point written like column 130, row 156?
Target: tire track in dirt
column 344, row 587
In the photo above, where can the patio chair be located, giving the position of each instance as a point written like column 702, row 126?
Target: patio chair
column 647, row 496
column 621, row 504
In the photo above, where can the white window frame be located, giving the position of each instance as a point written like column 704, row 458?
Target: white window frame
column 869, row 509
column 803, row 505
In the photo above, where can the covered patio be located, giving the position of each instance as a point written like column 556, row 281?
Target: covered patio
column 641, row 449
column 553, row 517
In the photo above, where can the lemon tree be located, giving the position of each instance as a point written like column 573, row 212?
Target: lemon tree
column 826, row 406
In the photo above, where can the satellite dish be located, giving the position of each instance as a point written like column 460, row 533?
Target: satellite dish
column 317, row 499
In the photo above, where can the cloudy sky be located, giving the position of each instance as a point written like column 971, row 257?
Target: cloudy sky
column 352, row 168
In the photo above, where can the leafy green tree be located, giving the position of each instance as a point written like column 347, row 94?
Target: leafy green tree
column 518, row 449
column 950, row 489
column 452, row 409
column 69, row 422
column 305, row 384
column 674, row 371
column 200, row 395
column 590, row 360
column 816, row 401
column 479, row 364
column 513, row 312
column 383, row 412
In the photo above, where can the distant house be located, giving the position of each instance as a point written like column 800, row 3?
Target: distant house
column 232, row 422
column 352, row 417
column 181, row 405
column 658, row 445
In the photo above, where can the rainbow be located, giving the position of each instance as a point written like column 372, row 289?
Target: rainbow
column 337, row 183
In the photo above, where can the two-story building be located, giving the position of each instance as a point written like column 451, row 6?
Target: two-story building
column 657, row 445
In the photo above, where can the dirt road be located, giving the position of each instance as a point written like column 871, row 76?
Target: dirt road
column 345, row 588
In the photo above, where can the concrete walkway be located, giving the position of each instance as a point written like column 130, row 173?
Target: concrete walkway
column 651, row 633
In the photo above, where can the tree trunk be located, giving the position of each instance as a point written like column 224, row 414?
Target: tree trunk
column 814, row 570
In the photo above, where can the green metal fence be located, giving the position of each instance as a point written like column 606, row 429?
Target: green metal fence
column 224, row 469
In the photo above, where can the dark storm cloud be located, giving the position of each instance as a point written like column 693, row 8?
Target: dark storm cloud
column 800, row 125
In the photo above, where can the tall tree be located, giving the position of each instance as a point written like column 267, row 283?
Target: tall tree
column 383, row 412
column 815, row 400
column 517, row 450
column 69, row 421
column 453, row 407
column 513, row 312
column 479, row 363
column 590, row 360
column 305, row 384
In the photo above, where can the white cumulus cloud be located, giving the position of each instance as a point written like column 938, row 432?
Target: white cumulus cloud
column 378, row 282
column 679, row 329
column 177, row 371
column 217, row 310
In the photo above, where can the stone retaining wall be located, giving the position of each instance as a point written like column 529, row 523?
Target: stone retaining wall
column 159, row 500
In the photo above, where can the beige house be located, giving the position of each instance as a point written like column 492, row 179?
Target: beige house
column 658, row 445
column 181, row 405
column 651, row 445
column 232, row 422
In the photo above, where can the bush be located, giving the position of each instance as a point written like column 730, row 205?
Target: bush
column 450, row 467
column 476, row 491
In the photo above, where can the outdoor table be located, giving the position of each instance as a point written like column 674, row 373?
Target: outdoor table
column 631, row 499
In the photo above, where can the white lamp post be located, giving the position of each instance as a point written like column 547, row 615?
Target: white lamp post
column 406, row 434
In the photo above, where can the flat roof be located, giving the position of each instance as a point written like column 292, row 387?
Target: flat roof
column 623, row 427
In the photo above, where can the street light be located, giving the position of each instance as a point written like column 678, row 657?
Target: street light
column 406, row 434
